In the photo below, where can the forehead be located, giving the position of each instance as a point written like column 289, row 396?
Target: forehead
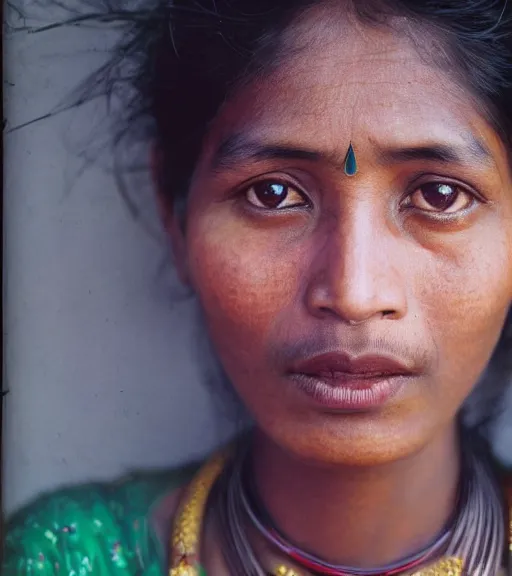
column 340, row 81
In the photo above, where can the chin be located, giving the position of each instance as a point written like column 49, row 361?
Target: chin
column 351, row 440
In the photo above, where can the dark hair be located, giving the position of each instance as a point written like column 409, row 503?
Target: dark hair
column 180, row 60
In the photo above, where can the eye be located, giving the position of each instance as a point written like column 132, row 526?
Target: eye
column 441, row 197
column 274, row 195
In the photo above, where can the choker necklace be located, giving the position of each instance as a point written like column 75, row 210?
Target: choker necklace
column 262, row 522
column 237, row 504
column 473, row 544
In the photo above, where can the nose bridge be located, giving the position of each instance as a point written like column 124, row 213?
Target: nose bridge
column 354, row 258
column 359, row 277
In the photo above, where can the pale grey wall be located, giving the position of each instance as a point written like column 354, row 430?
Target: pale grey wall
column 101, row 368
column 100, row 365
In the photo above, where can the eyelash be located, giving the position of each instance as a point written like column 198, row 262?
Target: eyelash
column 417, row 185
column 279, row 181
column 474, row 198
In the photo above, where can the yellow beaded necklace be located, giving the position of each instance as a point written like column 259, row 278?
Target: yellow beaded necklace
column 188, row 524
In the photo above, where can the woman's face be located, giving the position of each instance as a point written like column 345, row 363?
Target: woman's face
column 353, row 314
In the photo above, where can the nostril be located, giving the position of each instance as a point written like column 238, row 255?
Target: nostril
column 388, row 313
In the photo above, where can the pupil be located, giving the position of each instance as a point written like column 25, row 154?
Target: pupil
column 439, row 196
column 270, row 194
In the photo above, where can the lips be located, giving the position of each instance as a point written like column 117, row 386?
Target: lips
column 342, row 383
column 339, row 366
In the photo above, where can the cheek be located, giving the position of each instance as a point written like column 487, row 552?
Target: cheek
column 465, row 301
column 243, row 279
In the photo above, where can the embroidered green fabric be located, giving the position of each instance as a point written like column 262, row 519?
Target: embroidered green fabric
column 100, row 529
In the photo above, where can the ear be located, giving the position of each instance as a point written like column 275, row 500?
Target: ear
column 170, row 220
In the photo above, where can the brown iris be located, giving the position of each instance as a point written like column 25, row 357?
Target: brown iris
column 272, row 194
column 441, row 197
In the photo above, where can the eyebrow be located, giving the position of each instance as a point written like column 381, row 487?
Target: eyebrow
column 447, row 154
column 238, row 149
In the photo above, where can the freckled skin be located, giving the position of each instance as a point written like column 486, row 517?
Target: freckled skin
column 438, row 290
column 451, row 283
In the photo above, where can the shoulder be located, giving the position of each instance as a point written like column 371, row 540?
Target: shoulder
column 100, row 528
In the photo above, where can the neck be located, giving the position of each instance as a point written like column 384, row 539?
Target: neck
column 360, row 517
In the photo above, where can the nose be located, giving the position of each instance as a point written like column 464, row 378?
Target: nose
column 358, row 272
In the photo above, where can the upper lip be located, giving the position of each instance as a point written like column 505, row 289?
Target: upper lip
column 333, row 363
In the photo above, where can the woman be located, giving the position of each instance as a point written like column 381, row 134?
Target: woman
column 335, row 178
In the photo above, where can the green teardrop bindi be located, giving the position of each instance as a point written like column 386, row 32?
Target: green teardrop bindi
column 350, row 162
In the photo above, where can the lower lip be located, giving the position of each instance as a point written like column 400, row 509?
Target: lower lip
column 350, row 393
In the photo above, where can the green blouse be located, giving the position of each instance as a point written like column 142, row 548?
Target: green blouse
column 100, row 529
